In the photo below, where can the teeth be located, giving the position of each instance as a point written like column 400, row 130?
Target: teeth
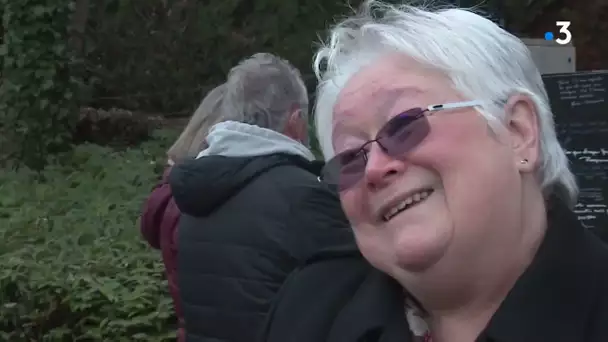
column 406, row 203
column 416, row 197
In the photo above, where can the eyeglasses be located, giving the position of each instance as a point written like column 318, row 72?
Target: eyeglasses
column 396, row 138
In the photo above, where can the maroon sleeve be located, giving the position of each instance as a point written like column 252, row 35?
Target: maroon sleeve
column 154, row 211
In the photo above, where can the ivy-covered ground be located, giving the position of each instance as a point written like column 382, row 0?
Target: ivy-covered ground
column 73, row 265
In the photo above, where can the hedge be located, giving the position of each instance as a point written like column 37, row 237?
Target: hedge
column 38, row 91
column 74, row 267
column 161, row 56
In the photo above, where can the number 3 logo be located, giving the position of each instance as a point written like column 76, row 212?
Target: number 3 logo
column 563, row 28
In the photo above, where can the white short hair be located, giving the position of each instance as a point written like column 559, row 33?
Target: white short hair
column 483, row 61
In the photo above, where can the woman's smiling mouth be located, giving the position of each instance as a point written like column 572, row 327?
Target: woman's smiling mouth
column 407, row 203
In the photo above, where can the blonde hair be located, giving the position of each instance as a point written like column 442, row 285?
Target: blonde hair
column 193, row 138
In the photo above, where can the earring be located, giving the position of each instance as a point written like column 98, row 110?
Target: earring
column 524, row 161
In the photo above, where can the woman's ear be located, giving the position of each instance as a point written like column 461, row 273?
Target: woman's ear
column 524, row 131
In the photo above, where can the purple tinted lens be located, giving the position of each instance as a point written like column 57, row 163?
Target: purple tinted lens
column 397, row 137
column 403, row 133
column 344, row 170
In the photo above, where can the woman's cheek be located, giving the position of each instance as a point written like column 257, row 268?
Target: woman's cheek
column 354, row 205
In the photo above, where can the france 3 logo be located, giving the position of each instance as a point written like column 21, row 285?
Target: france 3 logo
column 565, row 36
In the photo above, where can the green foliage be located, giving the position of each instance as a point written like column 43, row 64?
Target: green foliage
column 161, row 56
column 74, row 267
column 37, row 93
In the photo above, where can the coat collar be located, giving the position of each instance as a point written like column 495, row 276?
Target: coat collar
column 554, row 297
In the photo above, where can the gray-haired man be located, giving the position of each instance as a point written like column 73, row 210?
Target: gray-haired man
column 253, row 208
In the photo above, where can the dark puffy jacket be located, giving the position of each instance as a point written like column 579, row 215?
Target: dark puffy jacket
column 248, row 221
column 158, row 225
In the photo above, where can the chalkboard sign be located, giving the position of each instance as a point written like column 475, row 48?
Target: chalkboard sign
column 580, row 104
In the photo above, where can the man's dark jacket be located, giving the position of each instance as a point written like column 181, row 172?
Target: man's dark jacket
column 253, row 210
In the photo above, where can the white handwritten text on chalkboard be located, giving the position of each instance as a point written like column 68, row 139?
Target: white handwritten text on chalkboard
column 589, row 155
column 582, row 90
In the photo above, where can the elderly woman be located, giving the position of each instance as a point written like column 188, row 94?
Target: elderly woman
column 440, row 139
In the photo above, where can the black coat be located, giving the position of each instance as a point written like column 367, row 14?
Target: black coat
column 247, row 223
column 561, row 297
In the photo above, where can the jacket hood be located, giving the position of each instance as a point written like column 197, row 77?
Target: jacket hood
column 237, row 154
column 236, row 139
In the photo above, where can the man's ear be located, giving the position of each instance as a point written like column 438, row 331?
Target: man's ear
column 524, row 131
column 297, row 127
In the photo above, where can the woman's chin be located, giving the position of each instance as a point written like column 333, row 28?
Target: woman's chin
column 418, row 252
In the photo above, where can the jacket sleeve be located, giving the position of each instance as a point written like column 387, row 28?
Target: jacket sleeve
column 312, row 298
column 317, row 224
column 153, row 211
column 337, row 297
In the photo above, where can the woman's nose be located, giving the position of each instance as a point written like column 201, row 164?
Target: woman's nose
column 381, row 169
